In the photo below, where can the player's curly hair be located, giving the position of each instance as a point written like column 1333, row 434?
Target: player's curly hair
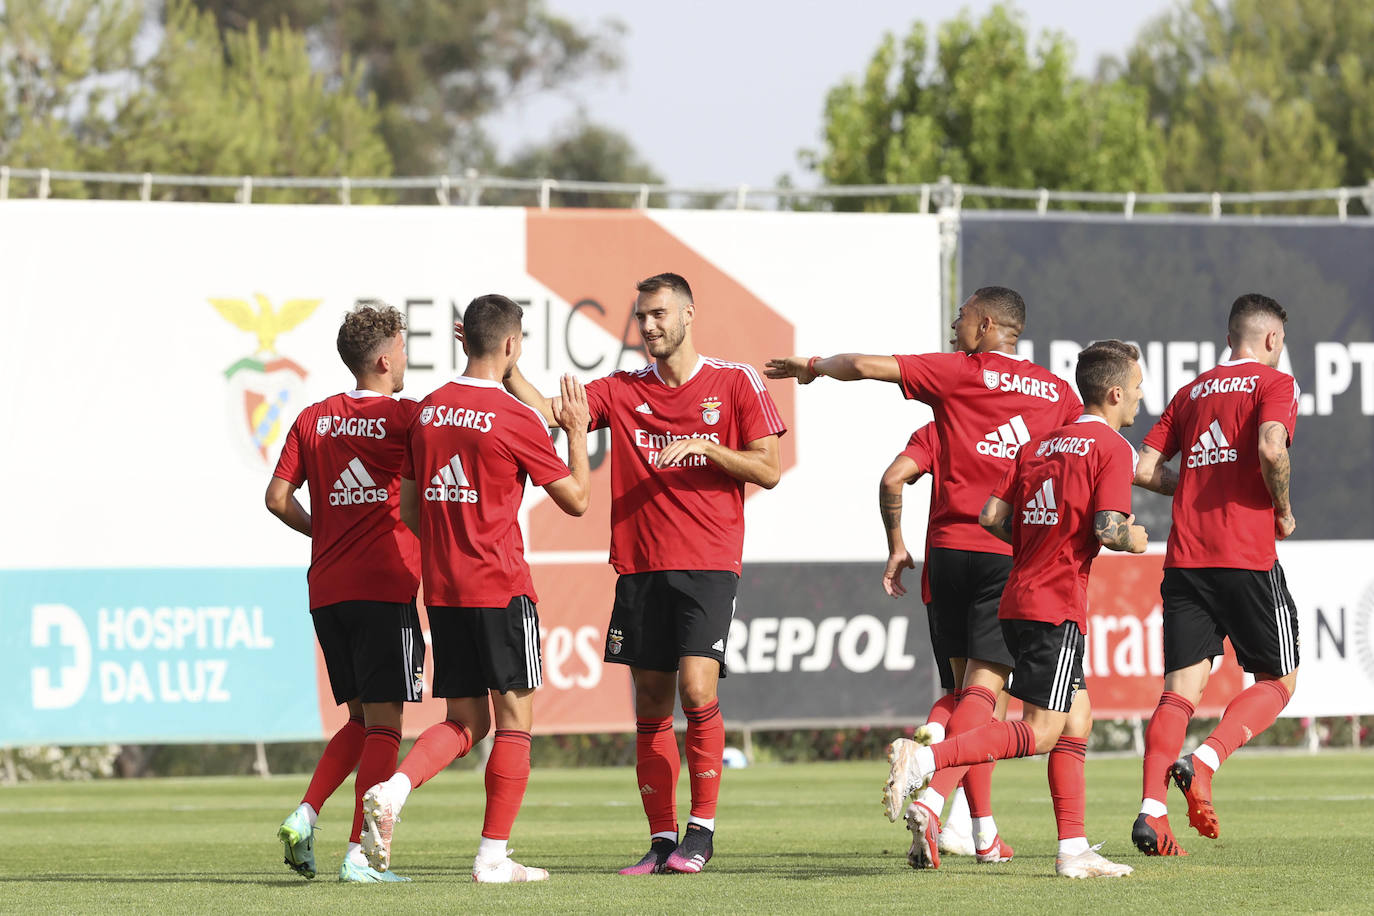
column 366, row 331
column 1004, row 304
column 1102, row 366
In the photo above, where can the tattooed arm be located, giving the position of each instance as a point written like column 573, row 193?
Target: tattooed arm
column 996, row 518
column 1273, row 458
column 901, row 472
column 1151, row 473
column 1117, row 531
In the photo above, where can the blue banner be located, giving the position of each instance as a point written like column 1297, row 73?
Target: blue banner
column 156, row 655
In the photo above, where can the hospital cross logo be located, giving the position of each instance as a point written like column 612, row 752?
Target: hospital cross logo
column 265, row 388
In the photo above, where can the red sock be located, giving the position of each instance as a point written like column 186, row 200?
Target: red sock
column 977, row 783
column 1163, row 741
column 377, row 763
column 437, row 747
column 656, row 767
column 1068, row 789
column 508, row 772
column 943, row 709
column 974, row 709
column 705, row 753
column 994, row 741
column 1252, row 711
column 338, row 760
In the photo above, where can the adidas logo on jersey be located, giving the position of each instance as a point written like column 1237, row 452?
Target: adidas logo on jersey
column 355, row 486
column 451, row 485
column 1006, row 440
column 1211, row 448
column 1042, row 509
column 644, row 408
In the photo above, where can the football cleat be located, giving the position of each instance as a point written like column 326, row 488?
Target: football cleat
column 904, row 777
column 380, row 816
column 506, row 871
column 1195, row 782
column 928, row 734
column 692, row 853
column 1152, row 836
column 1089, row 864
column 298, row 837
column 996, row 851
column 955, row 841
column 924, row 825
column 349, row 873
column 654, row 860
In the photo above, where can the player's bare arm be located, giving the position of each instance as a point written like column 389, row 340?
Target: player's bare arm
column 1117, row 531
column 844, row 367
column 758, row 462
column 410, row 505
column 1151, row 472
column 573, row 493
column 518, row 385
column 996, row 518
column 1274, row 465
column 902, row 471
column 282, row 502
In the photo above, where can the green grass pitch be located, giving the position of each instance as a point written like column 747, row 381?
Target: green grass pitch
column 1295, row 836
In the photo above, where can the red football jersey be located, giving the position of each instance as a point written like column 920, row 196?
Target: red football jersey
column 986, row 405
column 349, row 448
column 472, row 446
column 1056, row 487
column 690, row 516
column 924, row 448
column 1223, row 513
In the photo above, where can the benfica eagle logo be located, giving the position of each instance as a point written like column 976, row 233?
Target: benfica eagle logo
column 265, row 388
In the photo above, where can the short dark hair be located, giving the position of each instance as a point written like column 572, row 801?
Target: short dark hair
column 365, row 331
column 674, row 282
column 1003, row 303
column 1103, row 365
column 1252, row 305
column 487, row 321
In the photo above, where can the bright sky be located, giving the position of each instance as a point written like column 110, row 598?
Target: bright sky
column 726, row 91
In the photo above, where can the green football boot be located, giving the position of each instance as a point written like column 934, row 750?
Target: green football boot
column 365, row 874
column 298, row 837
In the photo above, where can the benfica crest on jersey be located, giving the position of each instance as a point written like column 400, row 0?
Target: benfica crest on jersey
column 710, row 411
column 266, row 389
column 991, row 379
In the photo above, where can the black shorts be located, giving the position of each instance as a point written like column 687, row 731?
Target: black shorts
column 659, row 617
column 965, row 589
column 477, row 649
column 1250, row 607
column 374, row 651
column 941, row 660
column 1049, row 662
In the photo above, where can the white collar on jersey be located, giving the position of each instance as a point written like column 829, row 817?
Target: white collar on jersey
column 363, row 393
column 1089, row 417
column 701, row 361
column 1237, row 362
column 1016, row 356
column 477, row 382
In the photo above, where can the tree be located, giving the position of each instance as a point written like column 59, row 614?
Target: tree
column 437, row 66
column 990, row 110
column 585, row 152
column 244, row 106
column 1260, row 94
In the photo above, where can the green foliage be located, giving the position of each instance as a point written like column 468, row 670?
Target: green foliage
column 1259, row 94
column 989, row 110
column 584, row 152
column 437, row 66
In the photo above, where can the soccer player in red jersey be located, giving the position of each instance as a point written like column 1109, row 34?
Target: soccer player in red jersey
column 1067, row 495
column 988, row 402
column 1222, row 577
column 910, row 465
column 472, row 447
column 364, row 569
column 687, row 433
